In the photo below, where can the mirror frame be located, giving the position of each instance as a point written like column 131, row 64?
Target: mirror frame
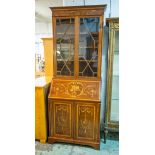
column 113, row 26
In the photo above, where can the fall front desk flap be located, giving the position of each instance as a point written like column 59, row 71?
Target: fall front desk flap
column 75, row 89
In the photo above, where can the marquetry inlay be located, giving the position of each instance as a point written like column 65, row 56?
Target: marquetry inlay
column 85, row 121
column 75, row 89
column 62, row 119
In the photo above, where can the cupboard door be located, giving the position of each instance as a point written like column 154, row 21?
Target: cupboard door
column 88, row 46
column 65, row 38
column 62, row 119
column 87, row 121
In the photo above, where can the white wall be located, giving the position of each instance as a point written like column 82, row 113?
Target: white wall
column 42, row 30
column 43, row 22
column 114, row 5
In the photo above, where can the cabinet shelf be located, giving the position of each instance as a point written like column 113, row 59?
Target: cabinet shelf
column 93, row 22
column 86, row 33
column 60, row 33
column 64, row 60
column 81, row 33
column 88, row 47
column 88, row 60
column 78, row 60
column 65, row 24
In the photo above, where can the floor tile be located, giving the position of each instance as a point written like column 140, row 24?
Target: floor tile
column 110, row 148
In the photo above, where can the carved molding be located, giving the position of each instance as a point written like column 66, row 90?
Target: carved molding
column 114, row 26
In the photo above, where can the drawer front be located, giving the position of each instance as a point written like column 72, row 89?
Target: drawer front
column 87, row 121
column 62, row 119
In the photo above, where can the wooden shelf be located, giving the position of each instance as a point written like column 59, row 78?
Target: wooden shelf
column 88, row 47
column 66, row 33
column 78, row 60
column 93, row 33
column 82, row 33
column 67, row 22
column 64, row 60
column 88, row 60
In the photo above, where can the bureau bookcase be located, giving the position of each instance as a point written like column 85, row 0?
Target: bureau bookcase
column 74, row 98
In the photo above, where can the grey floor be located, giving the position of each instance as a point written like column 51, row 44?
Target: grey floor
column 110, row 148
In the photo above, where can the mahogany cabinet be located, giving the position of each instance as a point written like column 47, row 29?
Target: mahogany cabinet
column 74, row 98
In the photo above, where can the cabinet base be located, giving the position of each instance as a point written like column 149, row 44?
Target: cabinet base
column 43, row 141
column 95, row 145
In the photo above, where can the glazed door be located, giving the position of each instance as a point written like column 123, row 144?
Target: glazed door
column 77, row 46
column 112, row 110
column 114, row 114
column 87, row 121
column 88, row 46
column 61, row 115
column 65, row 40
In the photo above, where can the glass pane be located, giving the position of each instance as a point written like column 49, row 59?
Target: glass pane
column 65, row 46
column 115, row 81
column 88, row 46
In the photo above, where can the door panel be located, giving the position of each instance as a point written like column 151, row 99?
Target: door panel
column 86, row 121
column 65, row 39
column 88, row 46
column 62, row 119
